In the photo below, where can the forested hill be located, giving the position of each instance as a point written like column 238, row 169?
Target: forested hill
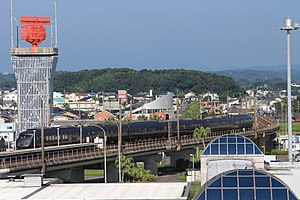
column 160, row 81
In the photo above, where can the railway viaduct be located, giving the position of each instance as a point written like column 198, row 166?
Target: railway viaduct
column 68, row 162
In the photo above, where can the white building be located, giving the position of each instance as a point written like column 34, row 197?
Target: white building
column 7, row 132
column 163, row 104
column 9, row 98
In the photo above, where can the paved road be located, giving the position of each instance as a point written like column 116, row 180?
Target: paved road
column 170, row 178
column 164, row 178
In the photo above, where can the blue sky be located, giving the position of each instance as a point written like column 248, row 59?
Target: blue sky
column 192, row 34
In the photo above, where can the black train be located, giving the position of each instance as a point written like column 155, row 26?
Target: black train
column 132, row 131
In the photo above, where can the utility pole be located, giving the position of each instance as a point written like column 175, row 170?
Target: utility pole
column 246, row 104
column 120, row 138
column 255, row 114
column 288, row 26
column 227, row 101
column 177, row 116
column 130, row 107
column 200, row 103
column 43, row 170
column 169, row 143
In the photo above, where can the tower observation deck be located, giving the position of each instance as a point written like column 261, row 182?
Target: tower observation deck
column 34, row 68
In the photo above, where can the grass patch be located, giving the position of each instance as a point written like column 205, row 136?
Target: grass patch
column 94, row 172
column 277, row 152
column 295, row 127
column 194, row 189
column 182, row 176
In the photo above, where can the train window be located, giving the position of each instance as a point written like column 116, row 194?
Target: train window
column 25, row 136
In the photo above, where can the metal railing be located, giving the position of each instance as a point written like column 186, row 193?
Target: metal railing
column 87, row 153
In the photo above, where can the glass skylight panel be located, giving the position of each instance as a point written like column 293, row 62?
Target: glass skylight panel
column 230, row 194
column 245, row 184
column 231, row 144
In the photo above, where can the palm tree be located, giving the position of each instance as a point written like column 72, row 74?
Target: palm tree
column 207, row 132
column 126, row 165
column 202, row 133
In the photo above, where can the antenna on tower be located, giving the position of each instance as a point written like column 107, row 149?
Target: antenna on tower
column 11, row 24
column 55, row 21
column 51, row 30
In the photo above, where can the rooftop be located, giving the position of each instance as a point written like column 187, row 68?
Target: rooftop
column 16, row 190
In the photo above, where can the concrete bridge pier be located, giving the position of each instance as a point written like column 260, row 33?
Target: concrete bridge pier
column 150, row 162
column 180, row 159
column 112, row 172
column 266, row 141
column 69, row 175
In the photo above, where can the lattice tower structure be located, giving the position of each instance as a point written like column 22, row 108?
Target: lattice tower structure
column 34, row 70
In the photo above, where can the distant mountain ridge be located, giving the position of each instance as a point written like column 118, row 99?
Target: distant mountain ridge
column 160, row 81
column 268, row 74
column 7, row 80
column 262, row 73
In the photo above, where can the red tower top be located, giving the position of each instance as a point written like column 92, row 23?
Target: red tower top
column 34, row 32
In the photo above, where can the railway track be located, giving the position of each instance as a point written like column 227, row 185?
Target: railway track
column 55, row 156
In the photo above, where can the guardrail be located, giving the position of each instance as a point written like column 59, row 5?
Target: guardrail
column 80, row 154
column 31, row 51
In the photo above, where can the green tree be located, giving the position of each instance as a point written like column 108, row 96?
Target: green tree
column 142, row 118
column 133, row 173
column 111, row 120
column 66, row 105
column 144, row 80
column 193, row 111
column 14, row 104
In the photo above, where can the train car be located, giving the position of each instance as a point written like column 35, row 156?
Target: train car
column 131, row 132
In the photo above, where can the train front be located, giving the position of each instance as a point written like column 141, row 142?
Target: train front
column 24, row 140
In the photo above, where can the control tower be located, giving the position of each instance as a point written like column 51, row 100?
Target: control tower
column 34, row 68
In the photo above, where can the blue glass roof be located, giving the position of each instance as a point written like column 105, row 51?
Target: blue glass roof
column 245, row 184
column 231, row 144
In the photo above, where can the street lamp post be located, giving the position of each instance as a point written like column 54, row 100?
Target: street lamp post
column 288, row 26
column 104, row 147
column 120, row 138
column 193, row 160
